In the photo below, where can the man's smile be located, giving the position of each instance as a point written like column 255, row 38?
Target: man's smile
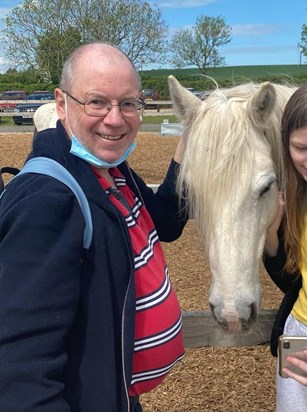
column 111, row 137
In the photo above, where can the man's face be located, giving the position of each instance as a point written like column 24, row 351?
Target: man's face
column 106, row 137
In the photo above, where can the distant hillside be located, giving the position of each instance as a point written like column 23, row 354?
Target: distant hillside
column 225, row 76
column 248, row 72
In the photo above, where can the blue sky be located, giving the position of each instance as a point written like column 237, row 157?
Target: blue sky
column 263, row 31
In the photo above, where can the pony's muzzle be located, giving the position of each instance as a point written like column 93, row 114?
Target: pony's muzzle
column 234, row 320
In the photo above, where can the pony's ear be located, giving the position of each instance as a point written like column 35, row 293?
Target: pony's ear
column 262, row 104
column 183, row 100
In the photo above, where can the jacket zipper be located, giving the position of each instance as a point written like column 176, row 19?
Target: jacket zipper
column 123, row 350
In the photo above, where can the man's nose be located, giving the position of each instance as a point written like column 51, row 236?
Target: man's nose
column 114, row 115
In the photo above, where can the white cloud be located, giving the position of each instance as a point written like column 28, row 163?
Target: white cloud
column 181, row 4
column 258, row 49
column 254, row 29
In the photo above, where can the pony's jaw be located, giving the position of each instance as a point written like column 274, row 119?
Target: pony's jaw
column 235, row 253
column 234, row 256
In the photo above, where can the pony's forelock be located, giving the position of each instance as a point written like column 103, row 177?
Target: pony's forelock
column 219, row 133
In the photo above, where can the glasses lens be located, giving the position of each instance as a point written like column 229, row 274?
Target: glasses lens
column 97, row 107
column 131, row 108
column 100, row 108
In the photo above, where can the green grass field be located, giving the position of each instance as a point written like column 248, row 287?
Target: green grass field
column 158, row 119
column 6, row 121
column 227, row 76
column 230, row 72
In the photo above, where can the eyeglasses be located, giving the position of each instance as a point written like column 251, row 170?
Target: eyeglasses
column 100, row 108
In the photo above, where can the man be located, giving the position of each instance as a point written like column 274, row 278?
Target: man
column 88, row 331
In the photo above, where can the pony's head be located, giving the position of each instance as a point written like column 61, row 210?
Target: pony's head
column 230, row 176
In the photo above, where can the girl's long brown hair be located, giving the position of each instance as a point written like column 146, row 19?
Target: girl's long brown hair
column 294, row 117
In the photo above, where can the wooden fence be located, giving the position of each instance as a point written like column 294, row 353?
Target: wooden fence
column 200, row 329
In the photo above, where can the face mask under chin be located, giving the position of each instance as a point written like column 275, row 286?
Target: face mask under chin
column 79, row 150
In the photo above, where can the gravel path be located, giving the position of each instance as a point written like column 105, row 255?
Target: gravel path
column 23, row 128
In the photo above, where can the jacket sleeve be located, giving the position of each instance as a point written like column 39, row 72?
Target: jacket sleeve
column 41, row 229
column 167, row 211
column 284, row 310
column 275, row 267
column 289, row 283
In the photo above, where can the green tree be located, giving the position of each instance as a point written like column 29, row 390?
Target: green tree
column 28, row 28
column 133, row 25
column 199, row 46
column 52, row 50
column 40, row 33
column 303, row 44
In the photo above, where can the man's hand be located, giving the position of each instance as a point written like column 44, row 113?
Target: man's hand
column 271, row 240
column 181, row 148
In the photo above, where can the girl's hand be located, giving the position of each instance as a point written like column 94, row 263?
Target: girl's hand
column 299, row 363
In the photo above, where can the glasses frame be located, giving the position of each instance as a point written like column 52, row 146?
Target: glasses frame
column 84, row 104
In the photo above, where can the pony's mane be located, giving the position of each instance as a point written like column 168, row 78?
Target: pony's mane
column 219, row 152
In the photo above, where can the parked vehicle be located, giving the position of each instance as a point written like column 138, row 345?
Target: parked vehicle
column 198, row 93
column 41, row 92
column 24, row 111
column 149, row 94
column 11, row 95
column 40, row 96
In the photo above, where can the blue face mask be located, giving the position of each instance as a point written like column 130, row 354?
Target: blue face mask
column 79, row 150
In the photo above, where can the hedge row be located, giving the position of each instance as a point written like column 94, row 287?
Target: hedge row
column 29, row 88
column 204, row 84
column 198, row 82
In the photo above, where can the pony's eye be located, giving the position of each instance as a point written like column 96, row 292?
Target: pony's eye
column 265, row 189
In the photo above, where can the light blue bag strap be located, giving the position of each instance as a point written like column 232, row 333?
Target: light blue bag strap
column 52, row 168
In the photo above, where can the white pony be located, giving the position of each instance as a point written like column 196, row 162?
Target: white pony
column 230, row 175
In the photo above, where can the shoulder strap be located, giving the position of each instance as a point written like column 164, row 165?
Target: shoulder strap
column 7, row 169
column 52, row 168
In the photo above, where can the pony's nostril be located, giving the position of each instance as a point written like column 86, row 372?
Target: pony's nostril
column 212, row 309
column 230, row 319
column 246, row 323
column 253, row 312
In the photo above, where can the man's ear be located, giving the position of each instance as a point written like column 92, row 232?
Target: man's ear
column 60, row 103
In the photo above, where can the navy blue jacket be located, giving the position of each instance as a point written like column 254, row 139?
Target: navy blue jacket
column 67, row 315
